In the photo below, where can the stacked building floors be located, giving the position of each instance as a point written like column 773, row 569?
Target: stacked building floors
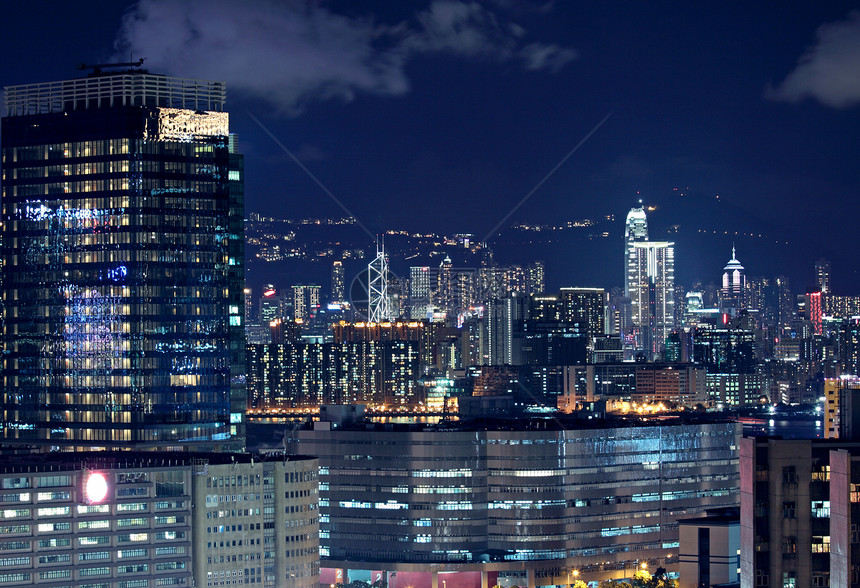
column 515, row 503
column 140, row 520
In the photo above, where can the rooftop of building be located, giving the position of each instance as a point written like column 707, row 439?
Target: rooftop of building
column 104, row 89
column 636, row 213
column 852, row 447
column 715, row 517
column 559, row 422
column 41, row 462
column 733, row 263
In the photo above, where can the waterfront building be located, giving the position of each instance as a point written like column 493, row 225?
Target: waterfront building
column 726, row 350
column 642, row 383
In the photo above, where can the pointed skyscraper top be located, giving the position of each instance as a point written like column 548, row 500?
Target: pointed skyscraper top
column 733, row 263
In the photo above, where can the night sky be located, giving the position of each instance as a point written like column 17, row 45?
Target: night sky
column 442, row 116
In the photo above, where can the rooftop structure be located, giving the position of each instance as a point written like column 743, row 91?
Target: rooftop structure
column 131, row 88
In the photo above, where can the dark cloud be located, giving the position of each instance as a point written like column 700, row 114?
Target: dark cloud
column 829, row 71
column 291, row 52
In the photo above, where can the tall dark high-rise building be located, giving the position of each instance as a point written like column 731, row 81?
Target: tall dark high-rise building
column 338, row 287
column 122, row 251
column 822, row 275
column 586, row 307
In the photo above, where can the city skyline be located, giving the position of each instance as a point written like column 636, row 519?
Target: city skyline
column 455, row 111
column 524, row 386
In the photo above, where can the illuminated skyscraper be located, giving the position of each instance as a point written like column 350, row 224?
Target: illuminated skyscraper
column 122, row 265
column 306, row 300
column 378, row 309
column 338, row 288
column 421, row 282
column 536, row 278
column 733, row 292
column 272, row 305
column 635, row 231
column 652, row 293
column 822, row 275
column 585, row 307
column 444, row 294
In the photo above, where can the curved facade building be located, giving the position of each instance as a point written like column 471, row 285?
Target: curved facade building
column 520, row 505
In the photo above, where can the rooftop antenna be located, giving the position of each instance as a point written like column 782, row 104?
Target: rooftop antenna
column 97, row 67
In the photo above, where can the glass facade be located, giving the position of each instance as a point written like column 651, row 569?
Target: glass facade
column 122, row 275
column 598, row 500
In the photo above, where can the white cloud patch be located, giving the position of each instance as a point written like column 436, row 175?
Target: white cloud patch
column 829, row 71
column 284, row 53
column 536, row 56
column 291, row 52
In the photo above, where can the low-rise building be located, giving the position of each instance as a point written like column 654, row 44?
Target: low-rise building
column 710, row 548
column 523, row 501
column 680, row 383
column 135, row 520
